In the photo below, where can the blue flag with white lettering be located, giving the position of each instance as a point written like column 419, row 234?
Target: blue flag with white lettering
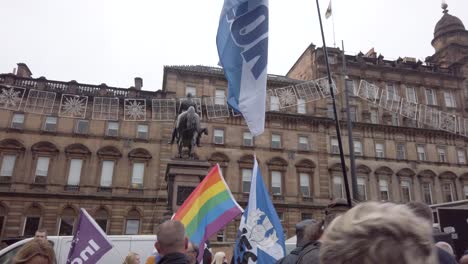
column 242, row 42
column 260, row 238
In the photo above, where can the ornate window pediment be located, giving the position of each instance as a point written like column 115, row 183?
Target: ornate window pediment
column 220, row 158
column 11, row 145
column 246, row 161
column 140, row 154
column 277, row 163
column 109, row 152
column 386, row 171
column 363, row 169
column 448, row 175
column 305, row 166
column 427, row 174
column 44, row 147
column 77, row 150
column 337, row 168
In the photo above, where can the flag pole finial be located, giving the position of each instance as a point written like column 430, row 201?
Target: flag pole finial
column 444, row 6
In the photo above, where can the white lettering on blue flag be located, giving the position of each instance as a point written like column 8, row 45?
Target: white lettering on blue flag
column 242, row 42
column 260, row 238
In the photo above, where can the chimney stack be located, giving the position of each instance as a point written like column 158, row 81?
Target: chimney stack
column 138, row 83
column 23, row 71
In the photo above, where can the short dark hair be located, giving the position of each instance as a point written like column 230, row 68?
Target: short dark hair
column 421, row 210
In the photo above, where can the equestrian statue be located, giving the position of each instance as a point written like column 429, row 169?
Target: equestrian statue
column 187, row 131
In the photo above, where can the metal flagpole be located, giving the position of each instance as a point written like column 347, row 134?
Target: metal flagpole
column 333, row 25
column 352, row 162
column 337, row 122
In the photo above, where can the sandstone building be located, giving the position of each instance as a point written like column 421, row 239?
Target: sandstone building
column 66, row 145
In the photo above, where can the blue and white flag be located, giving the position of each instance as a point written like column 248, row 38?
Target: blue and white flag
column 242, row 42
column 89, row 243
column 260, row 238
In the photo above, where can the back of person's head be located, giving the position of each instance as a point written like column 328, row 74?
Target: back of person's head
column 171, row 238
column 464, row 259
column 421, row 210
column 378, row 233
column 219, row 258
column 35, row 251
column 445, row 246
column 132, row 258
column 300, row 230
column 335, row 208
column 313, row 231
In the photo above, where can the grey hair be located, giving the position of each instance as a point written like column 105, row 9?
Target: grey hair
column 378, row 233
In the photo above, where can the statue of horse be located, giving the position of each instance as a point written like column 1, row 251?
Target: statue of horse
column 188, row 127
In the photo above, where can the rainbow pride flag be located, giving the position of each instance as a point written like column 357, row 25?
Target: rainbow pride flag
column 208, row 209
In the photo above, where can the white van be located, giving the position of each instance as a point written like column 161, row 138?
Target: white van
column 141, row 244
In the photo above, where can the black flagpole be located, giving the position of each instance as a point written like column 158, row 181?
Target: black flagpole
column 337, row 122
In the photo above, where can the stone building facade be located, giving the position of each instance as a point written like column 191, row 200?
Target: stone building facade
column 112, row 159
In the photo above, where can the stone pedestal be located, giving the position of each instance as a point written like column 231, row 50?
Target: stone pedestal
column 182, row 177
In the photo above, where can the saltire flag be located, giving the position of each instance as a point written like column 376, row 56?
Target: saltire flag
column 89, row 242
column 242, row 42
column 208, row 209
column 260, row 238
column 328, row 13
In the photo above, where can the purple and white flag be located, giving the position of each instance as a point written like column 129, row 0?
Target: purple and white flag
column 89, row 243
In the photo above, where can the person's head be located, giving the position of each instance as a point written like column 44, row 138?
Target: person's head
column 421, row 210
column 378, row 233
column 334, row 209
column 445, row 246
column 41, row 234
column 219, row 258
column 192, row 252
column 35, row 251
column 132, row 258
column 189, row 95
column 464, row 259
column 171, row 238
column 301, row 228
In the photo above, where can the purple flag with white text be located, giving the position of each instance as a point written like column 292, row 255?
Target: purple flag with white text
column 89, row 243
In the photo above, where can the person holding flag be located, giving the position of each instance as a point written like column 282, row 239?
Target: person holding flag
column 260, row 237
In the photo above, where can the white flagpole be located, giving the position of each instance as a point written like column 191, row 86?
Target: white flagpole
column 333, row 24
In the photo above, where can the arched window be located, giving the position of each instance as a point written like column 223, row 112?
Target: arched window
column 447, row 184
column 139, row 159
column 108, row 157
column 67, row 222
column 426, row 180
column 406, row 183
column 102, row 218
column 3, row 215
column 362, row 182
column 44, row 153
column 76, row 154
column 32, row 220
column 10, row 150
column 384, row 183
column 337, row 181
column 132, row 222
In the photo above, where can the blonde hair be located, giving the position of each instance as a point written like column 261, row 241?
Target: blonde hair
column 39, row 251
column 218, row 258
column 378, row 233
column 131, row 258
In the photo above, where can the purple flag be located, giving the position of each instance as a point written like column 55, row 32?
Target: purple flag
column 89, row 243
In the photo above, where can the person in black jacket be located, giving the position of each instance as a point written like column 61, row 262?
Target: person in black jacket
column 300, row 242
column 172, row 243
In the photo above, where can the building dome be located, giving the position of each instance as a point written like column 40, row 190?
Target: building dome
column 448, row 23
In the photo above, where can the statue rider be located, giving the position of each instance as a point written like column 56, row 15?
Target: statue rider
column 184, row 106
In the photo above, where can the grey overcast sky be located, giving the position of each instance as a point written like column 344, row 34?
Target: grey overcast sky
column 113, row 41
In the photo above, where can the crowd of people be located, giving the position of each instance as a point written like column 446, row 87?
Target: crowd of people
column 368, row 233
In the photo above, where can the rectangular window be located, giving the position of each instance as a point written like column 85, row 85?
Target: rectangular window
column 220, row 97
column 304, row 143
column 42, row 166
column 112, row 129
column 66, row 226
column 142, row 131
column 449, row 99
column 275, row 141
column 362, row 190
column 427, row 192
column 305, row 216
column 405, row 191
column 138, row 175
column 218, row 136
column 190, row 90
column 465, row 191
column 220, row 236
column 132, row 227
column 447, row 192
column 350, row 87
column 301, row 106
column 31, row 224
column 17, row 121
column 248, row 139
column 353, row 113
column 421, row 152
column 357, row 147
column 411, row 95
column 461, row 156
column 330, row 112
column 379, row 150
column 82, row 127
column 401, row 151
column 276, row 182
column 304, row 180
column 8, row 166
column 74, row 172
column 392, row 92
column 106, row 173
column 383, row 189
column 50, row 124
column 441, row 154
column 334, row 146
column 274, row 103
column 246, row 180
column 374, row 116
column 338, row 188
column 395, row 119
column 431, row 98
